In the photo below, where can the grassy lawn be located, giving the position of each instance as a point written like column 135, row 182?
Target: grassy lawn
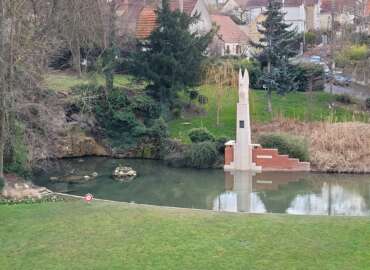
column 75, row 235
column 64, row 81
column 294, row 105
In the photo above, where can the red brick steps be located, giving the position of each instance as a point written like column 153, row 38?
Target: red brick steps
column 270, row 160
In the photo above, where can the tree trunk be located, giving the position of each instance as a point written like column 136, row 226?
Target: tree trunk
column 310, row 89
column 76, row 56
column 109, row 80
column 269, row 102
column 2, row 90
column 218, row 114
column 2, row 129
column 109, row 74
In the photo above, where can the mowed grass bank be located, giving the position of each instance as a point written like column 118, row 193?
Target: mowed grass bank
column 295, row 105
column 59, row 81
column 75, row 235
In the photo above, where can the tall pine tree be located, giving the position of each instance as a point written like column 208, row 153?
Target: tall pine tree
column 277, row 44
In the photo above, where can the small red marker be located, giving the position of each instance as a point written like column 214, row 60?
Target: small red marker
column 88, row 198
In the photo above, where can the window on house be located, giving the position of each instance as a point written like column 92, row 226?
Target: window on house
column 241, row 124
column 238, row 49
column 227, row 49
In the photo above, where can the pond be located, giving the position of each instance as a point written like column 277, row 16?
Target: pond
column 157, row 184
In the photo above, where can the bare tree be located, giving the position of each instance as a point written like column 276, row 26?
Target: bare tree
column 26, row 28
column 222, row 76
column 2, row 86
column 81, row 25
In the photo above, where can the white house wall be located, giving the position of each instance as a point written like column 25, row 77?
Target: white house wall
column 204, row 24
column 317, row 15
column 230, row 6
column 296, row 16
column 244, row 49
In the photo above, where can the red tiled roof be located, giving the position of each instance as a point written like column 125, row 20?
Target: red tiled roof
column 229, row 31
column 146, row 23
column 147, row 18
column 188, row 5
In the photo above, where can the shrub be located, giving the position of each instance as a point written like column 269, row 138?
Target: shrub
column 176, row 113
column 202, row 155
column 345, row 99
column 174, row 153
column 85, row 92
column 351, row 54
column 367, row 103
column 16, row 152
column 357, row 52
column 306, row 71
column 312, row 38
column 293, row 146
column 198, row 135
column 220, row 144
column 145, row 106
column 128, row 118
column 159, row 129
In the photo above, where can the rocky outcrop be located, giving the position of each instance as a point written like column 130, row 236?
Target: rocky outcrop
column 56, row 128
column 77, row 143
column 146, row 150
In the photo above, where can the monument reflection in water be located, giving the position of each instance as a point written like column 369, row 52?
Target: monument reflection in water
column 258, row 193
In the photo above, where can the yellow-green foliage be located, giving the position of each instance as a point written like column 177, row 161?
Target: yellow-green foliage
column 352, row 54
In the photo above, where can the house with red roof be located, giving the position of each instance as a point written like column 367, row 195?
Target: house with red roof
column 192, row 7
column 232, row 39
column 137, row 18
column 146, row 22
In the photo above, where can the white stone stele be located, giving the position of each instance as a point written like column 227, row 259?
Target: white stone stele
column 243, row 145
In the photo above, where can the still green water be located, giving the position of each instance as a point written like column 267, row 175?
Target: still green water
column 157, row 184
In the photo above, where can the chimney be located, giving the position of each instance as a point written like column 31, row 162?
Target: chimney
column 181, row 5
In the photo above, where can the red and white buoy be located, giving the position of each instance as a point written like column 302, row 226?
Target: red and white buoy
column 88, row 198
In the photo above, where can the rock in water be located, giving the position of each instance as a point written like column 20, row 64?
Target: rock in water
column 124, row 174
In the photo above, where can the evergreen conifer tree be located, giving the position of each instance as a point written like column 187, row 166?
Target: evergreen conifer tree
column 170, row 60
column 277, row 44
